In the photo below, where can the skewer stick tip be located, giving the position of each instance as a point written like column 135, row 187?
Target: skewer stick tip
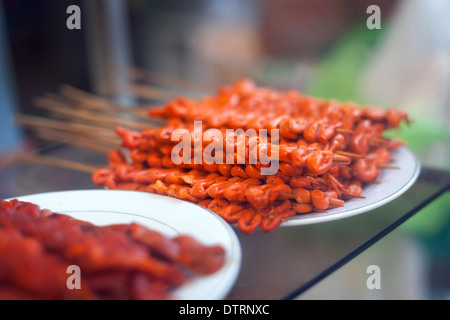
column 386, row 166
column 342, row 130
column 349, row 154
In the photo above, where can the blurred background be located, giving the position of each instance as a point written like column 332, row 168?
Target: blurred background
column 320, row 47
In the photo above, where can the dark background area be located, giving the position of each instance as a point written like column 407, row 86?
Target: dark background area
column 45, row 54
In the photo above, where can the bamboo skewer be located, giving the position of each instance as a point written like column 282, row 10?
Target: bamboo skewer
column 348, row 154
column 63, row 132
column 66, row 126
column 349, row 195
column 342, row 130
column 50, row 161
column 387, row 166
column 87, row 116
column 102, row 148
column 88, row 101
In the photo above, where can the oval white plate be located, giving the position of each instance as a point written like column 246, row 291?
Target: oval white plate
column 167, row 215
column 393, row 183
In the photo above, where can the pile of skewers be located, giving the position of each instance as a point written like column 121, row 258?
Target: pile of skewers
column 326, row 152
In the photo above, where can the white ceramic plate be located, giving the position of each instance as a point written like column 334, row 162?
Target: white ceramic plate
column 393, row 183
column 167, row 215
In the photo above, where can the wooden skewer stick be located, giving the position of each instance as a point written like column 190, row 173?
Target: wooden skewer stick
column 89, row 116
column 336, row 203
column 93, row 102
column 66, row 164
column 101, row 140
column 88, row 98
column 386, row 166
column 75, row 101
column 342, row 130
column 349, row 195
column 379, row 139
column 341, row 159
column 101, row 147
column 349, row 154
column 76, row 128
column 62, row 109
